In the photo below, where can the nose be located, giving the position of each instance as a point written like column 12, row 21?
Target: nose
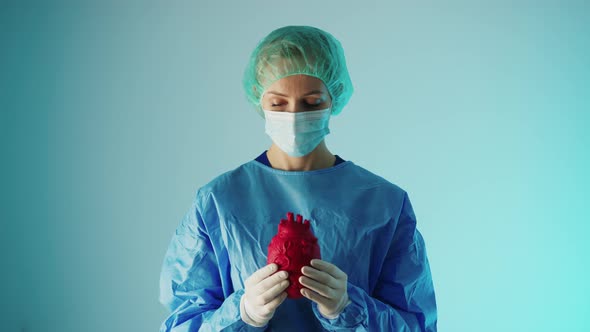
column 296, row 109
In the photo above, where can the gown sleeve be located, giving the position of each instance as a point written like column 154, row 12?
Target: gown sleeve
column 190, row 282
column 403, row 298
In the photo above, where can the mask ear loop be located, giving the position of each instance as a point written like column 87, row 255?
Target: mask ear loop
column 260, row 104
column 260, row 100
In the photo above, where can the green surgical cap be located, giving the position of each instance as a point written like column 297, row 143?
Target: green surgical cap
column 293, row 50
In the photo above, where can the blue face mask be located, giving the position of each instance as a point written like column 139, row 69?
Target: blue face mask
column 297, row 134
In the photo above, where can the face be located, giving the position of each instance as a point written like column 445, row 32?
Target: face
column 296, row 93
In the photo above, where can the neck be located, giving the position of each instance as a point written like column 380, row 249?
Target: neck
column 319, row 158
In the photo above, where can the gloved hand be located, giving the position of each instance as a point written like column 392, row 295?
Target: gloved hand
column 264, row 292
column 326, row 285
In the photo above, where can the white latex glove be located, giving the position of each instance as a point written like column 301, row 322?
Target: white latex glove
column 264, row 292
column 325, row 284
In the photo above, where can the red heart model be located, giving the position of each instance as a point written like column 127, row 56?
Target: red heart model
column 293, row 247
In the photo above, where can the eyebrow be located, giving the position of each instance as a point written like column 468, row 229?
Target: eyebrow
column 307, row 94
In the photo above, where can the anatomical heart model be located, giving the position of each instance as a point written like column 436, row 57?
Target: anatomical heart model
column 293, row 247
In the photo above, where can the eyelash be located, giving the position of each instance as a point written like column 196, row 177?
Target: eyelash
column 275, row 105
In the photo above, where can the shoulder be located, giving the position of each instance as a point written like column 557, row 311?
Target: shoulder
column 372, row 179
column 392, row 193
column 233, row 179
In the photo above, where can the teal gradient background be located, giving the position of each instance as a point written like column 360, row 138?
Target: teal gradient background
column 113, row 114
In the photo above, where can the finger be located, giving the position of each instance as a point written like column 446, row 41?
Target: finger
column 275, row 303
column 317, row 287
column 315, row 297
column 273, row 292
column 321, row 277
column 261, row 274
column 270, row 282
column 329, row 268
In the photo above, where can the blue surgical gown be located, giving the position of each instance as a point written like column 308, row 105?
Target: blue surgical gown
column 365, row 225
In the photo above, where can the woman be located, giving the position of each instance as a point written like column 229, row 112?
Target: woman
column 374, row 274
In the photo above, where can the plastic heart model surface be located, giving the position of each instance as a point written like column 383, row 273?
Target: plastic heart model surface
column 293, row 247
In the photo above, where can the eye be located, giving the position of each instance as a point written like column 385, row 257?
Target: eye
column 316, row 102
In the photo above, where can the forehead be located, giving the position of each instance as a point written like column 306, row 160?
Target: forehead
column 295, row 85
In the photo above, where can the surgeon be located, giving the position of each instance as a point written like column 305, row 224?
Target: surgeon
column 373, row 274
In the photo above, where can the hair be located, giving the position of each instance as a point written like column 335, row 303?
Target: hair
column 293, row 50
